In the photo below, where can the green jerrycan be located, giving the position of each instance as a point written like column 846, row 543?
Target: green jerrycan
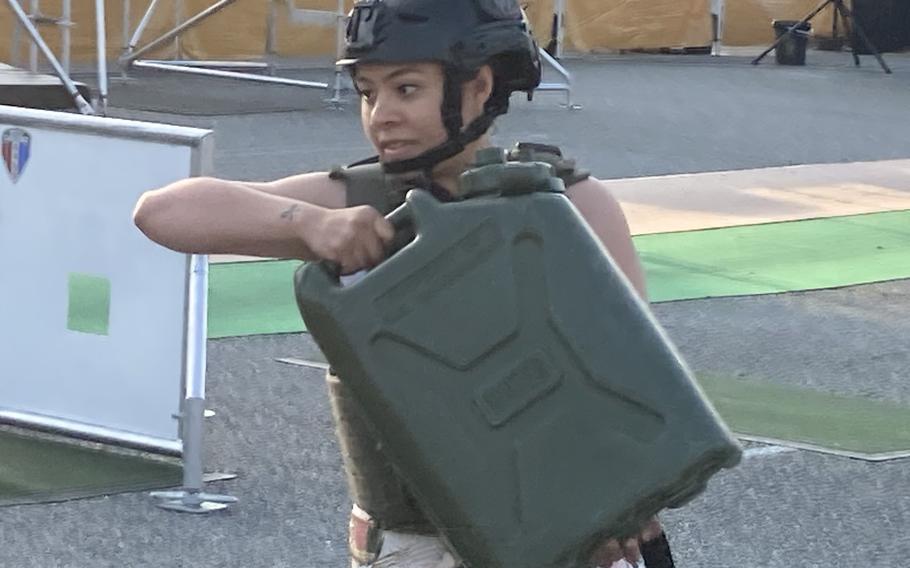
column 513, row 377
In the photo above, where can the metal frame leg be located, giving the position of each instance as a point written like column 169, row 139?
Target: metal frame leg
column 559, row 10
column 565, row 87
column 850, row 19
column 191, row 498
column 853, row 53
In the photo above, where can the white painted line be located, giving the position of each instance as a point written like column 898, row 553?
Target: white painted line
column 218, row 476
column 303, row 363
column 879, row 457
column 767, row 451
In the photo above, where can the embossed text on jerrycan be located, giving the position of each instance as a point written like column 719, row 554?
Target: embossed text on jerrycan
column 514, row 378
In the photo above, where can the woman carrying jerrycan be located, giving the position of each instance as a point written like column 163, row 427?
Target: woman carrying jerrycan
column 432, row 76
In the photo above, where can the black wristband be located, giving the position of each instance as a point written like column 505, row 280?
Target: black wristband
column 656, row 553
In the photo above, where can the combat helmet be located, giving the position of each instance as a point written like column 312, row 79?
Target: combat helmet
column 462, row 35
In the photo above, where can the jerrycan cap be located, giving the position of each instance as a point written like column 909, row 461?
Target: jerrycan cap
column 492, row 174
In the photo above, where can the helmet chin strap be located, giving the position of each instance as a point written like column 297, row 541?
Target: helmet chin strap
column 451, row 147
column 458, row 138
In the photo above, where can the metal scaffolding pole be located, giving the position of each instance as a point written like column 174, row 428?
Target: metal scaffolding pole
column 717, row 25
column 39, row 44
column 65, row 38
column 174, row 33
column 101, row 42
column 140, row 29
column 64, row 22
column 336, row 101
column 34, row 10
column 159, row 66
column 125, row 26
column 560, row 9
column 132, row 57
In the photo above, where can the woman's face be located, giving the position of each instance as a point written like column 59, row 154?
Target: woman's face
column 401, row 107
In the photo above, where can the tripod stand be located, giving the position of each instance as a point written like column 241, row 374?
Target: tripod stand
column 849, row 20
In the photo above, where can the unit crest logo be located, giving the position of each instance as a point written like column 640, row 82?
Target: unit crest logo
column 16, row 148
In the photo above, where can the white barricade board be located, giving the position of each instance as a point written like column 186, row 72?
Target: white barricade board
column 93, row 315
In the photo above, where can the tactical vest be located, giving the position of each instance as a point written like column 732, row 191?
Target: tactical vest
column 372, row 481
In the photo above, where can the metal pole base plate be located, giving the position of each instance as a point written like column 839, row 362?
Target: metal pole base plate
column 334, row 103
column 192, row 502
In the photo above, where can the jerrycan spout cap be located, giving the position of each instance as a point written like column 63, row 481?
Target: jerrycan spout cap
column 493, row 175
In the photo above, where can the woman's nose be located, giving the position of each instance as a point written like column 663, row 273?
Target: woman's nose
column 386, row 110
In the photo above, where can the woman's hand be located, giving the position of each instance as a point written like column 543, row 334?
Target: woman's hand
column 613, row 550
column 355, row 238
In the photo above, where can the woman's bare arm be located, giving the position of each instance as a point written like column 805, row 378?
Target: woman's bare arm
column 210, row 216
column 605, row 217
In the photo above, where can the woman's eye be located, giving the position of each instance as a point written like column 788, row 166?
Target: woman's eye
column 407, row 89
column 366, row 94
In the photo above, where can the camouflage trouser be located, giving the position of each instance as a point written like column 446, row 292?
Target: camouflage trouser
column 406, row 550
column 372, row 547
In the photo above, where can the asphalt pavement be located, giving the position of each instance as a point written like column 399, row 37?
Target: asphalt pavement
column 642, row 115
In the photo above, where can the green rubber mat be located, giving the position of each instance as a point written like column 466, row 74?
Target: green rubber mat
column 777, row 257
column 248, row 298
column 251, row 298
column 826, row 421
column 762, row 410
column 39, row 470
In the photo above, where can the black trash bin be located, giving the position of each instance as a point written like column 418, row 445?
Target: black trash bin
column 792, row 50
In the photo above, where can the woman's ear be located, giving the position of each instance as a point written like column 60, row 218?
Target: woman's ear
column 480, row 88
column 486, row 83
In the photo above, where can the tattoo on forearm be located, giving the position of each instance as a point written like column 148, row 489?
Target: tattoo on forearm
column 289, row 213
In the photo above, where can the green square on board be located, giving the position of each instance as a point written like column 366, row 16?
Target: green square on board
column 89, row 304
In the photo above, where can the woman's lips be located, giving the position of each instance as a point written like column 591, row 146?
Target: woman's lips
column 396, row 150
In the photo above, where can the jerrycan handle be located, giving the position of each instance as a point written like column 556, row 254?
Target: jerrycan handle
column 402, row 221
column 406, row 219
column 419, row 210
column 400, row 217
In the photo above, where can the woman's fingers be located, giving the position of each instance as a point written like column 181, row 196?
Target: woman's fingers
column 630, row 551
column 607, row 553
